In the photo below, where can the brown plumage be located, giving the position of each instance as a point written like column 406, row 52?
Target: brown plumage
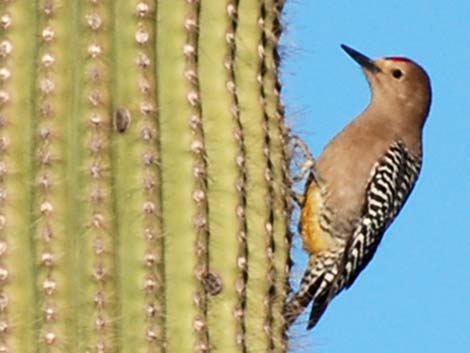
column 361, row 181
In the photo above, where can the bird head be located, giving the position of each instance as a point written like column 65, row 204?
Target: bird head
column 398, row 84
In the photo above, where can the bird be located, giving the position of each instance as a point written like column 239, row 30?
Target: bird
column 360, row 182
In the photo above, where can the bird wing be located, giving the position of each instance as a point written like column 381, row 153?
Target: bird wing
column 392, row 180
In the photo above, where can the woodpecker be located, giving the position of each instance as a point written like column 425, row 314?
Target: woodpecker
column 361, row 181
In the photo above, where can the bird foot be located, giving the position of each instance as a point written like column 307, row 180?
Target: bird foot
column 303, row 161
column 298, row 198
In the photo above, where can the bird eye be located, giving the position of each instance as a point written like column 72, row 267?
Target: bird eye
column 397, row 73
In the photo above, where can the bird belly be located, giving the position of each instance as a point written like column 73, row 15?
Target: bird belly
column 315, row 238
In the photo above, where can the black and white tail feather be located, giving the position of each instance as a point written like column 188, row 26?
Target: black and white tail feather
column 391, row 182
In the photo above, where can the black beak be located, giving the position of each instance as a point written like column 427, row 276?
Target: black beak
column 361, row 59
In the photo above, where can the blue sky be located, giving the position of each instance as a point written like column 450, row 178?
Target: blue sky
column 415, row 294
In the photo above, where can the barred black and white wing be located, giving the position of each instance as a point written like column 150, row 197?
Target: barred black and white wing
column 391, row 183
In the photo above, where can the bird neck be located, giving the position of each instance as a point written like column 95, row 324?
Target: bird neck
column 396, row 124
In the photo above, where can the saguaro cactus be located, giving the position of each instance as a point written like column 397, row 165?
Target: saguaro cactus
column 143, row 177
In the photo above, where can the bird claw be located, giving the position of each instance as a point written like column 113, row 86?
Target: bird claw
column 305, row 168
column 298, row 198
column 306, row 162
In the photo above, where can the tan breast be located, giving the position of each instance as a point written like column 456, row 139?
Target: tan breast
column 346, row 163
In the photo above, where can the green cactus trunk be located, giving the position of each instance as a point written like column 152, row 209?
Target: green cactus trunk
column 144, row 202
